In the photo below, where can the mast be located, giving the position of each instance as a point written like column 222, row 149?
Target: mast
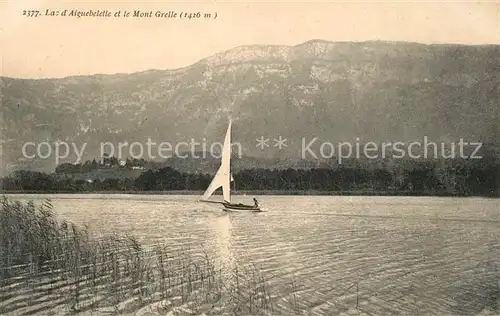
column 226, row 163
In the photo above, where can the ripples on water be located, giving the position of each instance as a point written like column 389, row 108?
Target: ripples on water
column 331, row 255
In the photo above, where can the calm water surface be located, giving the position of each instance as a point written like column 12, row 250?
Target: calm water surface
column 385, row 255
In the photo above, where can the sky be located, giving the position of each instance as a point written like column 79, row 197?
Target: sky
column 48, row 46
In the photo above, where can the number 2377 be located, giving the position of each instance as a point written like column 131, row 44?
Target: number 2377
column 31, row 13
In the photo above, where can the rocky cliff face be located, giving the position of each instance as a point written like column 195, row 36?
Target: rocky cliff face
column 376, row 91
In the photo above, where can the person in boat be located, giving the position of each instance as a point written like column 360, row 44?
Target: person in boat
column 256, row 203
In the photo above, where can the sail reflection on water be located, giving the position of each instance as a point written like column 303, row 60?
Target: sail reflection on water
column 223, row 246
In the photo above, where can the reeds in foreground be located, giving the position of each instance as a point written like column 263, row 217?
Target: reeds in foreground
column 47, row 267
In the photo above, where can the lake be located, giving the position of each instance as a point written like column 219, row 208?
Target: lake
column 334, row 255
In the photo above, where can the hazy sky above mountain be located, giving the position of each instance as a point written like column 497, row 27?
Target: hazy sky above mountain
column 62, row 46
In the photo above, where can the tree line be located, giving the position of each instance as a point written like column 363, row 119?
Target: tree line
column 105, row 163
column 425, row 178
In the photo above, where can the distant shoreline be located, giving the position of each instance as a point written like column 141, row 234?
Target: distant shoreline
column 259, row 192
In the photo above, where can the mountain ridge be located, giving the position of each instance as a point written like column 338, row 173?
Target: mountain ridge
column 308, row 42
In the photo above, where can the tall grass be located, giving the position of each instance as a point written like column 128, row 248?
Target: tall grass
column 50, row 265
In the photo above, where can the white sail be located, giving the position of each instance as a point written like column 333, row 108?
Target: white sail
column 223, row 177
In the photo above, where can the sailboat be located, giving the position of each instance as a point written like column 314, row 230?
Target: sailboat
column 223, row 178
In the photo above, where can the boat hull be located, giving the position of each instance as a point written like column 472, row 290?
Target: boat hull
column 256, row 210
column 240, row 208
